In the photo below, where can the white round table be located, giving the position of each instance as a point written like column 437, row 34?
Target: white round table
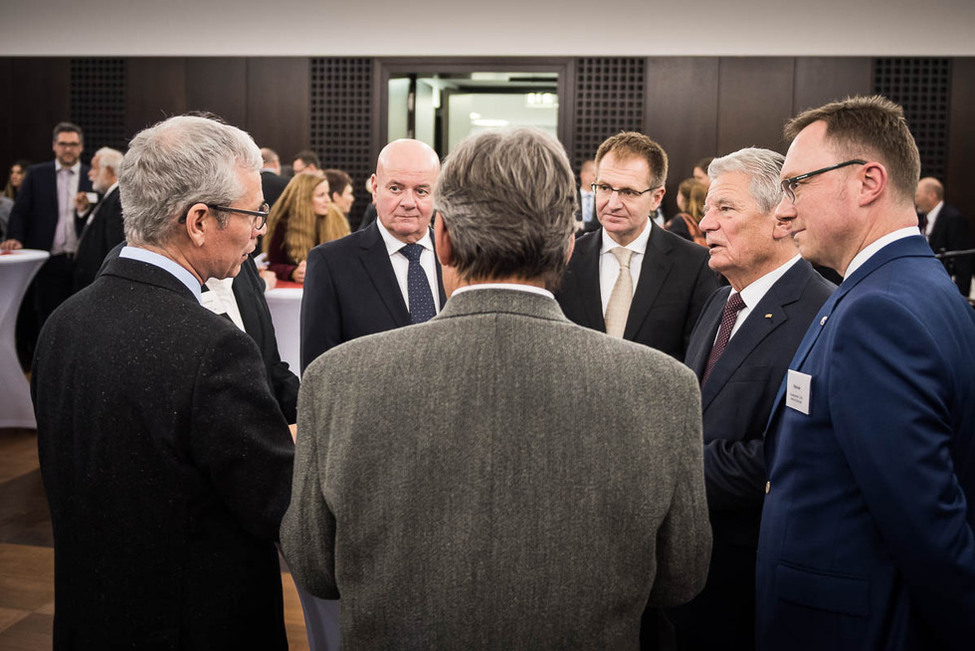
column 16, row 271
column 285, row 307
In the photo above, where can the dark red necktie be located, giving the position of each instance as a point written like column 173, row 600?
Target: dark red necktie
column 731, row 310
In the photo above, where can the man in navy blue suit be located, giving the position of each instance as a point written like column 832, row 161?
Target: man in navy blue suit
column 740, row 349
column 866, row 537
column 44, row 218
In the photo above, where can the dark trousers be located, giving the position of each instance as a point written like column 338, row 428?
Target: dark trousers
column 52, row 285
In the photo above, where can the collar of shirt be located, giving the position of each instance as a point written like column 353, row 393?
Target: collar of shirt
column 932, row 216
column 876, row 245
column 638, row 246
column 110, row 190
column 76, row 168
column 757, row 290
column 151, row 257
column 222, row 300
column 531, row 289
column 393, row 245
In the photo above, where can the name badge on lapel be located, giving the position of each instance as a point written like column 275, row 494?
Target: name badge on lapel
column 797, row 390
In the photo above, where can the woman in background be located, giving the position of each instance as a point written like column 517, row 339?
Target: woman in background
column 17, row 173
column 690, row 202
column 298, row 222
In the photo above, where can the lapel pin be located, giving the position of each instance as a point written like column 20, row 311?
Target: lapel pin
column 822, row 321
column 768, row 316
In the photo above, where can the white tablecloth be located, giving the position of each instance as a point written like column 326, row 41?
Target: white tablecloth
column 285, row 306
column 16, row 271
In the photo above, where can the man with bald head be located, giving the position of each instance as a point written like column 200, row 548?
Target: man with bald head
column 385, row 276
column 946, row 229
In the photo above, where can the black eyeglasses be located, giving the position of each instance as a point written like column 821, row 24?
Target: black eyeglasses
column 260, row 216
column 790, row 184
column 603, row 190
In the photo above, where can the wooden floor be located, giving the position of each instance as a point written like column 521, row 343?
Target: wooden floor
column 27, row 554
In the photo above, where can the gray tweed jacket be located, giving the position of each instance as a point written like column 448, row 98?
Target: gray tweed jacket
column 498, row 477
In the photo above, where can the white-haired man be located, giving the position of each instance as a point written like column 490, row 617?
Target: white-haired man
column 103, row 226
column 165, row 458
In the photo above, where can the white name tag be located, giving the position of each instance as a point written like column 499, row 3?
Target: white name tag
column 797, row 391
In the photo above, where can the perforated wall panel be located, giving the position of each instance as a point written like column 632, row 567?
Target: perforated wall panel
column 609, row 99
column 98, row 102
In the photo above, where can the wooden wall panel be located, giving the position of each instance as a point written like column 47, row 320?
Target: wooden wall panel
column 819, row 80
column 960, row 166
column 681, row 113
column 7, row 156
column 40, row 98
column 156, row 90
column 218, row 85
column 754, row 100
column 278, row 104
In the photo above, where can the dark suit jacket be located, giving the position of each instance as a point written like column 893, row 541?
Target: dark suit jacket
column 953, row 232
column 167, row 468
column 272, row 185
column 34, row 216
column 99, row 236
column 868, row 529
column 736, row 400
column 675, row 281
column 351, row 291
column 249, row 292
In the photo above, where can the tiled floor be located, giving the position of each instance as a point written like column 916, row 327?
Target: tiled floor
column 27, row 554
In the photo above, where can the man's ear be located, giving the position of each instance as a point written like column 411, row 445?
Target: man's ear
column 196, row 223
column 780, row 229
column 873, row 182
column 445, row 248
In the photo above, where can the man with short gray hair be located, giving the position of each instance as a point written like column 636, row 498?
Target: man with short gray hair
column 739, row 350
column 165, row 458
column 447, row 485
column 103, row 224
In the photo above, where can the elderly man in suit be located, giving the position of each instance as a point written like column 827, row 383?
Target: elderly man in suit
column 739, row 350
column 166, row 461
column 103, row 229
column 946, row 229
column 631, row 278
column 447, row 485
column 867, row 537
column 386, row 276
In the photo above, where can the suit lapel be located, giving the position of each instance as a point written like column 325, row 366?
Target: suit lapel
column 588, row 279
column 653, row 274
column 706, row 331
column 374, row 259
column 246, row 304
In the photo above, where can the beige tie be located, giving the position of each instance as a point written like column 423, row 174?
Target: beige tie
column 622, row 295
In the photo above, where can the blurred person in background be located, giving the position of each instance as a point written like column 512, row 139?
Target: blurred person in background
column 690, row 201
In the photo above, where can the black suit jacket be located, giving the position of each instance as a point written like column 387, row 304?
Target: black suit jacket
column 953, row 232
column 675, row 281
column 249, row 291
column 34, row 216
column 736, row 400
column 99, row 236
column 351, row 291
column 167, row 468
column 273, row 185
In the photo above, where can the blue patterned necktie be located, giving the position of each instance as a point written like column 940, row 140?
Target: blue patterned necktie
column 422, row 307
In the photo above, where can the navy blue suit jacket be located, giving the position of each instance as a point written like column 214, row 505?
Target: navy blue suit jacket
column 737, row 397
column 867, row 529
column 34, row 216
column 675, row 282
column 351, row 291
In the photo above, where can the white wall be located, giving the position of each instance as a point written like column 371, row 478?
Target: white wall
column 490, row 27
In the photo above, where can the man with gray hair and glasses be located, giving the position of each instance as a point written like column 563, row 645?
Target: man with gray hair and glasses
column 165, row 458
column 739, row 350
column 448, row 486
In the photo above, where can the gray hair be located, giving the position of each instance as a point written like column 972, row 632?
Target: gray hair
column 761, row 166
column 110, row 158
column 179, row 162
column 508, row 200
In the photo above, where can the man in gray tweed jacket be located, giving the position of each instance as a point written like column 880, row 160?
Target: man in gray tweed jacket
column 498, row 477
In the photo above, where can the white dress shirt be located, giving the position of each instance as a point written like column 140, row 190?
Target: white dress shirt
column 220, row 299
column 401, row 263
column 756, row 291
column 931, row 217
column 65, row 237
column 609, row 266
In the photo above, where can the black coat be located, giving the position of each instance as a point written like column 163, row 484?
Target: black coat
column 953, row 232
column 102, row 233
column 675, row 281
column 167, row 466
